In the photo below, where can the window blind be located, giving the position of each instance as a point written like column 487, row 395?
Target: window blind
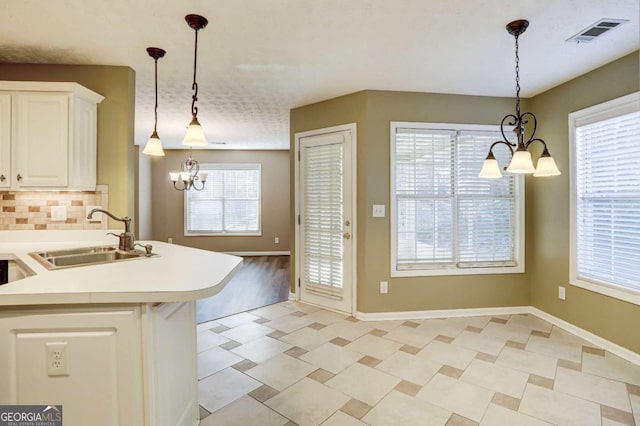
column 446, row 217
column 322, row 216
column 607, row 185
column 229, row 202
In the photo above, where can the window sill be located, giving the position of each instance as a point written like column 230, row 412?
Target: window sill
column 223, row 234
column 617, row 292
column 458, row 271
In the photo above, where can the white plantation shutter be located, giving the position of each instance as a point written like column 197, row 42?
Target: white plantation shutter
column 446, row 217
column 229, row 202
column 607, row 199
column 322, row 218
column 486, row 207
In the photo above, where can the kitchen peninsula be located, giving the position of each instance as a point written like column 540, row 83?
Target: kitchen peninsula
column 113, row 343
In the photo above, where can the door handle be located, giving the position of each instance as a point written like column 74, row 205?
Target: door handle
column 346, row 235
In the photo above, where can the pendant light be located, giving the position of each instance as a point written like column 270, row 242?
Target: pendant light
column 189, row 174
column 521, row 158
column 154, row 145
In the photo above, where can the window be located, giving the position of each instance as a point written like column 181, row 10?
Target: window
column 605, row 198
column 445, row 219
column 229, row 204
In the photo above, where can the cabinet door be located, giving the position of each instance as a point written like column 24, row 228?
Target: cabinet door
column 42, row 137
column 5, row 140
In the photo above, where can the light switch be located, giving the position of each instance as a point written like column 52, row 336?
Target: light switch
column 378, row 210
column 58, row 213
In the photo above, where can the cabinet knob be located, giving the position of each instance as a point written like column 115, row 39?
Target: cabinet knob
column 19, row 177
column 2, row 178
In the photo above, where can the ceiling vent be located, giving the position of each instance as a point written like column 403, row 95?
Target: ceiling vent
column 596, row 30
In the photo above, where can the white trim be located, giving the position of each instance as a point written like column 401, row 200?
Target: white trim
column 258, row 253
column 352, row 127
column 613, row 108
column 453, row 270
column 293, row 296
column 614, row 348
column 441, row 313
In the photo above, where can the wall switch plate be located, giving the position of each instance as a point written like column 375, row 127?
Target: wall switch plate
column 58, row 213
column 57, row 359
column 276, row 240
column 96, row 217
column 561, row 293
column 170, row 240
column 378, row 210
column 384, row 287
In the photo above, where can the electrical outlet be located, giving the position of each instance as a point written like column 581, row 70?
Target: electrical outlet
column 561, row 293
column 276, row 240
column 384, row 287
column 58, row 213
column 378, row 210
column 56, row 359
column 170, row 240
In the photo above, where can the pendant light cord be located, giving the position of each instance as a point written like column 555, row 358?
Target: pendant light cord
column 194, row 86
column 517, row 79
column 155, row 109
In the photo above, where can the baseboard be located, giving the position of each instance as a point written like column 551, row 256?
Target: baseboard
column 259, row 253
column 614, row 348
column 293, row 296
column 441, row 313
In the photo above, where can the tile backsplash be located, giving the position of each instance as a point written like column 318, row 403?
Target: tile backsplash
column 32, row 209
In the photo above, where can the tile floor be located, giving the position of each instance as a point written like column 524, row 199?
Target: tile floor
column 291, row 363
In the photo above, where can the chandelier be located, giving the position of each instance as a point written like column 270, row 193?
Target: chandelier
column 189, row 174
column 521, row 158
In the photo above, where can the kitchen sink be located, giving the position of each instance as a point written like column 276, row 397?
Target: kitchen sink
column 85, row 256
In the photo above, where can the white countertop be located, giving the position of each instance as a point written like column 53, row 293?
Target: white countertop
column 176, row 274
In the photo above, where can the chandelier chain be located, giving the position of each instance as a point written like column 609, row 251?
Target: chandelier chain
column 194, row 86
column 517, row 78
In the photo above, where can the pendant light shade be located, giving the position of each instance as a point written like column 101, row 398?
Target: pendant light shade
column 154, row 145
column 195, row 134
column 520, row 157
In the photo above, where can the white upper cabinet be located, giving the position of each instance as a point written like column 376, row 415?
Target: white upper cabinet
column 50, row 131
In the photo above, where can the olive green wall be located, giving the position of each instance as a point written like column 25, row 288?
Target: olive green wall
column 117, row 156
column 167, row 209
column 610, row 318
column 373, row 111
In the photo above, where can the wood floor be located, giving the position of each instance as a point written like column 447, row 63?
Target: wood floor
column 263, row 280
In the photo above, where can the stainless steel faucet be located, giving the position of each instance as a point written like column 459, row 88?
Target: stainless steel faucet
column 127, row 239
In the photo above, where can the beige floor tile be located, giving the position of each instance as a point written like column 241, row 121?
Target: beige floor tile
column 206, row 326
column 408, row 388
column 296, row 352
column 236, row 320
column 463, row 322
column 280, row 371
column 321, row 375
column 261, row 349
column 559, row 334
column 244, row 365
column 446, row 353
column 356, row 408
column 458, row 420
column 308, row 403
column 411, row 336
column 616, row 415
column 494, row 377
column 307, row 338
column 224, row 387
column 215, row 359
column 593, row 388
column 331, row 357
column 263, row 393
column 559, row 408
column 384, row 325
column 609, row 422
column 438, row 326
column 506, row 401
column 288, row 323
column 399, row 409
column 271, row 312
column 208, row 339
column 247, row 332
column 377, row 347
column 635, row 405
column 450, row 371
column 529, row 362
column 480, row 342
column 303, row 307
column 457, row 396
column 500, row 416
column 409, row 367
column 245, row 411
column 570, row 351
column 531, row 322
column 507, row 332
column 348, row 330
column 342, row 419
column 364, row 383
column 611, row 367
column 326, row 317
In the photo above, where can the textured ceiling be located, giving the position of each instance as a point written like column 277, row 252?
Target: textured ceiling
column 258, row 59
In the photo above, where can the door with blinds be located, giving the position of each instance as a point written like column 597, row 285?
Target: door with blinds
column 326, row 230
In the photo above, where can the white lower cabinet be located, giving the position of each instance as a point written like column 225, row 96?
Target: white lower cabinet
column 111, row 365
